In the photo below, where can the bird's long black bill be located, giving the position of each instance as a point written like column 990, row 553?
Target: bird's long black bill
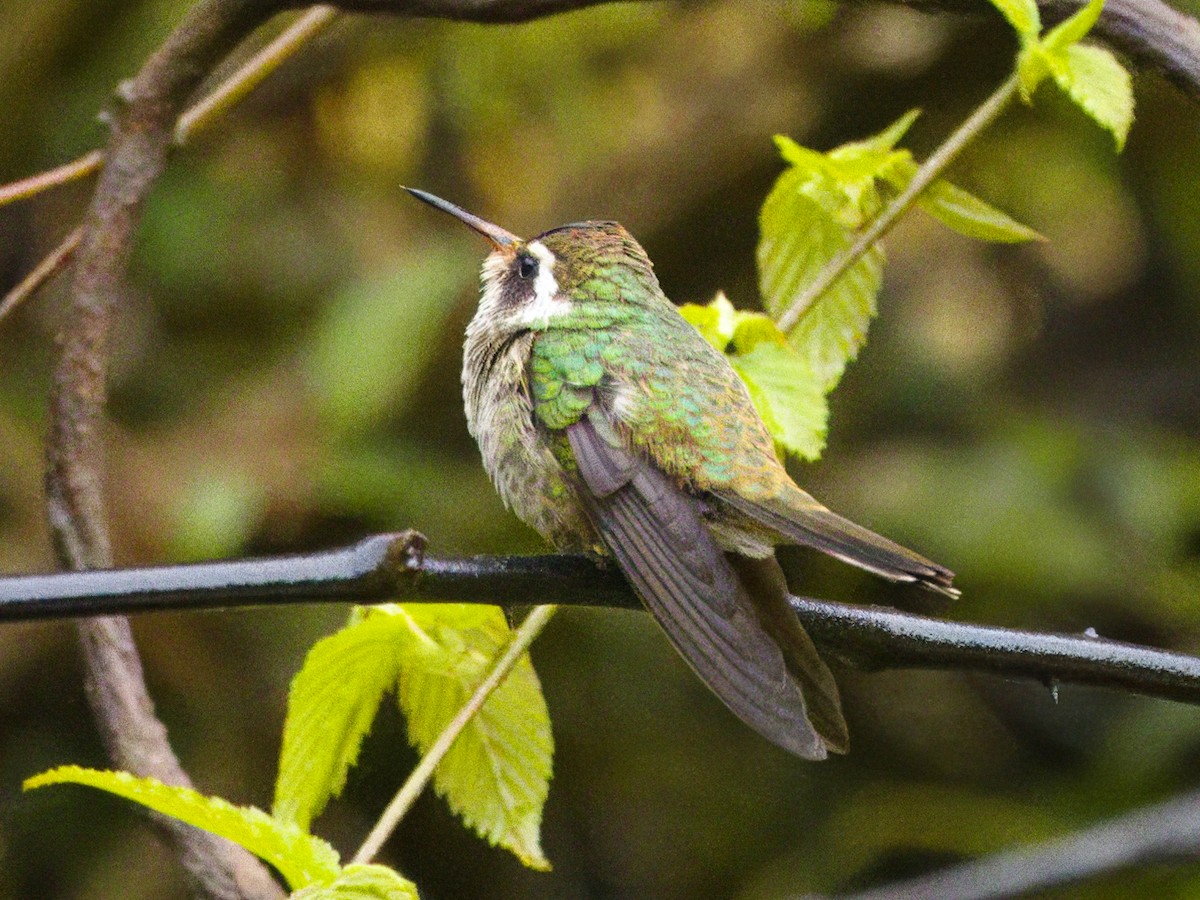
column 498, row 236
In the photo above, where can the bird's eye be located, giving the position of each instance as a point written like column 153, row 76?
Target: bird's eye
column 527, row 267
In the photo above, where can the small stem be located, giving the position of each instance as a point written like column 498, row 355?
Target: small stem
column 411, row 789
column 43, row 272
column 64, row 174
column 983, row 116
column 249, row 75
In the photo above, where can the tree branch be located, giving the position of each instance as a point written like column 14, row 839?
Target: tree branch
column 394, row 567
column 1162, row 832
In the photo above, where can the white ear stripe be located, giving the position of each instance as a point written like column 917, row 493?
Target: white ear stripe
column 543, row 307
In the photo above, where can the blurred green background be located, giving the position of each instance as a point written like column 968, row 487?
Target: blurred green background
column 287, row 378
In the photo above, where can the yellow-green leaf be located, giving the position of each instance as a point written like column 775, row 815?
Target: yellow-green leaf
column 301, row 858
column 799, row 237
column 1022, row 15
column 787, row 395
column 885, row 140
column 715, row 321
column 1032, row 68
column 967, row 214
column 497, row 774
column 1099, row 85
column 331, row 706
column 362, row 882
column 1072, row 30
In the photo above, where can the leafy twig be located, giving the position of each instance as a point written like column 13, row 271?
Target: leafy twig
column 928, row 172
column 412, row 787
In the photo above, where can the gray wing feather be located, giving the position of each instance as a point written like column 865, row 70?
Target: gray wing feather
column 655, row 532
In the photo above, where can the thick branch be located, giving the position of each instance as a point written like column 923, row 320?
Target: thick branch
column 394, row 567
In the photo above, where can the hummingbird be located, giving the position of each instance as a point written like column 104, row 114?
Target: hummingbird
column 613, row 428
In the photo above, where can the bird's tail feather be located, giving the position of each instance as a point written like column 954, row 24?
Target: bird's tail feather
column 801, row 519
column 764, row 581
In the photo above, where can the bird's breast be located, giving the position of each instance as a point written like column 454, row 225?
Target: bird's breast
column 515, row 454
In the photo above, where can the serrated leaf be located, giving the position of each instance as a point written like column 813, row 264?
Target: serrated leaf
column 1099, row 85
column 497, row 774
column 715, row 320
column 301, row 858
column 1072, row 30
column 967, row 214
column 798, row 239
column 362, row 882
column 331, row 706
column 1022, row 15
column 787, row 395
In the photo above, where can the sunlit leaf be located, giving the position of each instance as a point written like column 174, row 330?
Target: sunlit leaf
column 799, row 238
column 967, row 214
column 362, row 882
column 1032, row 68
column 497, row 774
column 787, row 395
column 959, row 209
column 301, row 858
column 331, row 706
column 888, row 138
column 1070, row 31
column 1022, row 15
column 715, row 321
column 1099, row 85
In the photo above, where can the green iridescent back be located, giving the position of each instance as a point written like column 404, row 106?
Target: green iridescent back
column 665, row 388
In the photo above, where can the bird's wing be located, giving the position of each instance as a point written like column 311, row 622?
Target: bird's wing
column 654, row 530
column 806, row 522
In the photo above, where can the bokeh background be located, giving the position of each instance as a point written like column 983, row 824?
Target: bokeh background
column 287, row 379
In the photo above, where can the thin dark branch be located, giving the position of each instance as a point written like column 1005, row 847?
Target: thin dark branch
column 1159, row 833
column 394, row 567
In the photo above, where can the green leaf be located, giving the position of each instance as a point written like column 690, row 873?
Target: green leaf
column 807, row 162
column 799, row 237
column 301, row 858
column 1099, row 85
column 753, row 329
column 788, row 396
column 884, row 141
column 1022, row 15
column 967, row 214
column 960, row 210
column 497, row 774
column 1072, row 30
column 331, row 706
column 715, row 321
column 362, row 882
column 1033, row 65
